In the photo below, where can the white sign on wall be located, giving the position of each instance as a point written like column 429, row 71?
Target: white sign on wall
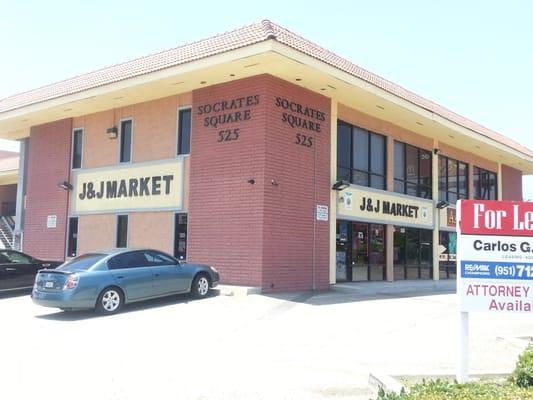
column 51, row 221
column 322, row 212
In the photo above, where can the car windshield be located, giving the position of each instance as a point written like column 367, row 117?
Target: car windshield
column 81, row 263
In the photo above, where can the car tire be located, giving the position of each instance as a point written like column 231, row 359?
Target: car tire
column 200, row 286
column 110, row 301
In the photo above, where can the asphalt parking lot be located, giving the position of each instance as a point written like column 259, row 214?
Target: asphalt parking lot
column 291, row 346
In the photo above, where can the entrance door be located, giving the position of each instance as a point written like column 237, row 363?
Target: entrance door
column 360, row 252
column 343, row 255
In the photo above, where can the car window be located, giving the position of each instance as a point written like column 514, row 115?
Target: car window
column 14, row 257
column 81, row 263
column 155, row 258
column 133, row 259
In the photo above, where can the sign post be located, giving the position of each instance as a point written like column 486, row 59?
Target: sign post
column 494, row 262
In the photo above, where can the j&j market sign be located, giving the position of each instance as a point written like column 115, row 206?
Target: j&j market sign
column 135, row 187
column 381, row 207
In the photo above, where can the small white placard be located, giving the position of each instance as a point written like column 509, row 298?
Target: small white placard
column 322, row 213
column 51, row 221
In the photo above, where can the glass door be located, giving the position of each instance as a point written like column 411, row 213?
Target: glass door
column 343, row 273
column 360, row 252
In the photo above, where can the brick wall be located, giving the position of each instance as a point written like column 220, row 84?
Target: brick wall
column 225, row 211
column 260, row 234
column 295, row 243
column 48, row 164
column 512, row 183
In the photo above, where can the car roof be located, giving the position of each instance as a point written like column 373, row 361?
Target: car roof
column 115, row 251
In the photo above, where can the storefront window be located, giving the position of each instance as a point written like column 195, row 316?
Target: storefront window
column 485, row 184
column 453, row 180
column 412, row 170
column 360, row 251
column 361, row 156
column 413, row 253
column 447, row 258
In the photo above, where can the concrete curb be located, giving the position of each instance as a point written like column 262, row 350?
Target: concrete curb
column 392, row 384
column 231, row 290
column 386, row 382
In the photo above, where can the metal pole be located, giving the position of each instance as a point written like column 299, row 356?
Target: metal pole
column 462, row 367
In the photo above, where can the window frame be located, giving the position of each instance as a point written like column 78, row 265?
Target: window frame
column 174, row 254
column 178, row 132
column 405, row 180
column 478, row 188
column 74, row 130
column 457, row 193
column 130, row 119
column 368, row 173
column 117, row 231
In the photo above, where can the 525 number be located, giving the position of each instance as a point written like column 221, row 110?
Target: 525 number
column 228, row 135
column 304, row 140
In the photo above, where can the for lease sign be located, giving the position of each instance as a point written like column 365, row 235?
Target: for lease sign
column 495, row 256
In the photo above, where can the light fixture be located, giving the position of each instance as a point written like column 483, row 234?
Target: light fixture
column 65, row 185
column 436, row 151
column 442, row 204
column 340, row 185
column 112, row 133
column 251, row 181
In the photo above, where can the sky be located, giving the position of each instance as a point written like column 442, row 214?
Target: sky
column 473, row 57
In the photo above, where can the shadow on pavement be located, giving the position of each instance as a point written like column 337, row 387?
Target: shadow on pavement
column 127, row 308
column 14, row 293
column 350, row 292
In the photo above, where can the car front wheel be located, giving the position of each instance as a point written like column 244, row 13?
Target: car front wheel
column 200, row 286
column 110, row 301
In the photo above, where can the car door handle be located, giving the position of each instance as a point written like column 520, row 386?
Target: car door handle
column 156, row 274
column 11, row 269
column 120, row 277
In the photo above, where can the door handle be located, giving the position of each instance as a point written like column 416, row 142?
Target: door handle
column 11, row 269
column 120, row 277
column 156, row 274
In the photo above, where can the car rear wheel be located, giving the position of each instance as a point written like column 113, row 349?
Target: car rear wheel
column 200, row 286
column 110, row 301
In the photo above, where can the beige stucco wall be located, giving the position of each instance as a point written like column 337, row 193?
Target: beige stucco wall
column 96, row 232
column 154, row 138
column 152, row 229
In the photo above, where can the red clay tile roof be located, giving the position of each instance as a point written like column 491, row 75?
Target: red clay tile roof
column 232, row 40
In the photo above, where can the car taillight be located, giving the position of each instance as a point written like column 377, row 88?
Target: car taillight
column 72, row 282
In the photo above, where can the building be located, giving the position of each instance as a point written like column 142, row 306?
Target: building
column 236, row 151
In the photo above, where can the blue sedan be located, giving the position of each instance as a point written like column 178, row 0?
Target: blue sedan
column 107, row 280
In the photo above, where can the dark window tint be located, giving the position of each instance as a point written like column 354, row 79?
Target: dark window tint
column 122, row 231
column 413, row 253
column 180, row 237
column 125, row 141
column 184, row 131
column 77, row 148
column 132, row 259
column 360, row 149
column 412, row 170
column 361, row 156
column 155, row 258
column 72, row 244
column 81, row 263
column 14, row 257
column 453, row 180
column 485, row 184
